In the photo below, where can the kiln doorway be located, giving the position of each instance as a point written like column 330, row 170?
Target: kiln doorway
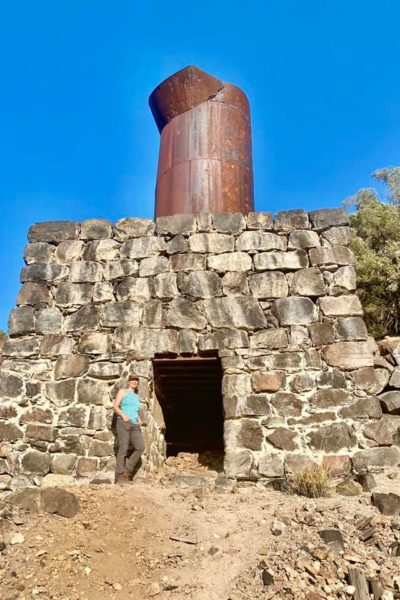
column 189, row 391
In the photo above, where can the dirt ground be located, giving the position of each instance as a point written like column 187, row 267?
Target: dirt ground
column 178, row 538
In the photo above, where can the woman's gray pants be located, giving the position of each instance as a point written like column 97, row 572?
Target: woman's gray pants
column 128, row 433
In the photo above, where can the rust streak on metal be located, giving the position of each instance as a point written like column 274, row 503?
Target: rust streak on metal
column 205, row 160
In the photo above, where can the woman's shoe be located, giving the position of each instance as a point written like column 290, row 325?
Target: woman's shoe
column 124, row 477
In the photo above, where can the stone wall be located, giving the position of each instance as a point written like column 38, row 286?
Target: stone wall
column 275, row 298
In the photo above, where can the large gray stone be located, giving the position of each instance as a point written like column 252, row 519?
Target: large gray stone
column 343, row 280
column 376, row 459
column 214, row 243
column 71, row 365
column 229, row 222
column 103, row 292
column 179, row 243
column 131, row 227
column 390, row 402
column 105, row 370
column 236, row 385
column 142, row 247
column 153, row 265
column 165, row 286
column 9, row 432
column 83, row 319
column 188, row 262
column 42, row 272
column 96, row 229
column 351, row 328
column 260, row 220
column 34, row 294
column 63, row 464
column 254, row 405
column 97, row 418
column 364, row 408
column 330, row 398
column 48, row 321
column 282, row 261
column 20, row 347
column 332, row 438
column 68, row 251
column 391, row 346
column 369, row 379
column 243, row 433
column 328, row 217
column 284, row 439
column 54, row 345
column 21, row 321
column 187, row 341
column 235, row 312
column 11, row 386
column 303, row 239
column 184, row 314
column 267, row 381
column 153, row 314
column 104, row 250
column 337, row 236
column 268, row 285
column 73, row 294
column 271, row 465
column 295, row 311
column 394, row 378
column 224, row 338
column 260, row 240
column 290, row 361
column 61, row 393
column 45, row 433
column 118, row 269
column 202, row 284
column 308, row 282
column 271, row 339
column 114, row 314
column 388, row 504
column 74, row 416
column 94, row 343
column 331, row 255
column 321, row 334
column 341, row 306
column 93, row 392
column 385, row 432
column 176, row 224
column 144, row 343
column 348, row 355
column 38, row 252
column 36, row 415
column 291, row 219
column 85, row 271
column 238, row 463
column 36, row 463
column 60, row 502
column 287, row 404
column 134, row 288
column 231, row 261
column 53, row 231
column 235, row 284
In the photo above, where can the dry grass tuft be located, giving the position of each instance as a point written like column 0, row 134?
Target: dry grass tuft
column 313, row 482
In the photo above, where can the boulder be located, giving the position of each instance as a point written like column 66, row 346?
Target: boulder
column 176, row 224
column 328, row 217
column 268, row 381
column 332, row 438
column 331, row 255
column 370, row 379
column 391, row 346
column 104, row 250
column 341, row 306
column 260, row 240
column 93, row 392
column 244, row 312
column 37, row 415
column 136, row 289
column 295, row 311
column 260, row 220
column 284, row 439
column 385, row 432
column 255, row 405
column 184, row 314
column 337, row 465
column 214, row 243
column 153, row 315
column 390, row 402
column 224, row 338
column 179, row 243
column 351, row 328
column 343, row 280
column 53, row 231
column 287, row 404
column 291, row 219
column 20, row 347
column 271, row 465
column 36, row 463
column 308, row 282
column 60, row 502
column 94, row 343
column 9, row 432
column 40, row 252
column 105, row 370
column 69, row 251
column 54, row 345
column 11, row 386
column 364, row 408
column 374, row 459
column 46, row 433
column 63, row 464
column 236, row 385
column 61, row 393
column 96, row 229
column 21, row 321
column 245, row 433
column 132, row 227
column 281, row 261
column 270, row 339
column 348, row 355
column 321, row 334
column 235, row 283
column 231, row 261
column 86, row 317
column 165, row 285
column 188, row 262
column 388, row 504
column 336, row 236
column 201, row 284
column 348, row 487
column 303, row 239
column 70, row 365
column 117, row 269
column 153, row 265
column 74, row 416
column 142, row 247
column 86, row 467
column 85, row 271
column 48, row 320
column 237, row 463
column 144, row 343
column 103, row 292
column 268, row 285
column 73, row 294
column 34, row 294
column 114, row 314
column 229, row 222
column 43, row 272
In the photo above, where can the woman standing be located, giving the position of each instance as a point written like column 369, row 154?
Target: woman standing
column 127, row 407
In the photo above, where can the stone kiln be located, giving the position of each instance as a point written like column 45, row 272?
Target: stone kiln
column 275, row 300
column 270, row 304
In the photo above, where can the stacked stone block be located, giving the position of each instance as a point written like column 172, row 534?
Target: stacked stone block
column 276, row 299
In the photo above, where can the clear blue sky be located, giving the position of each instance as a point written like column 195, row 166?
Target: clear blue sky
column 78, row 139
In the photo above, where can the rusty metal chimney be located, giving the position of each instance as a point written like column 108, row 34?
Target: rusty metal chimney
column 205, row 161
